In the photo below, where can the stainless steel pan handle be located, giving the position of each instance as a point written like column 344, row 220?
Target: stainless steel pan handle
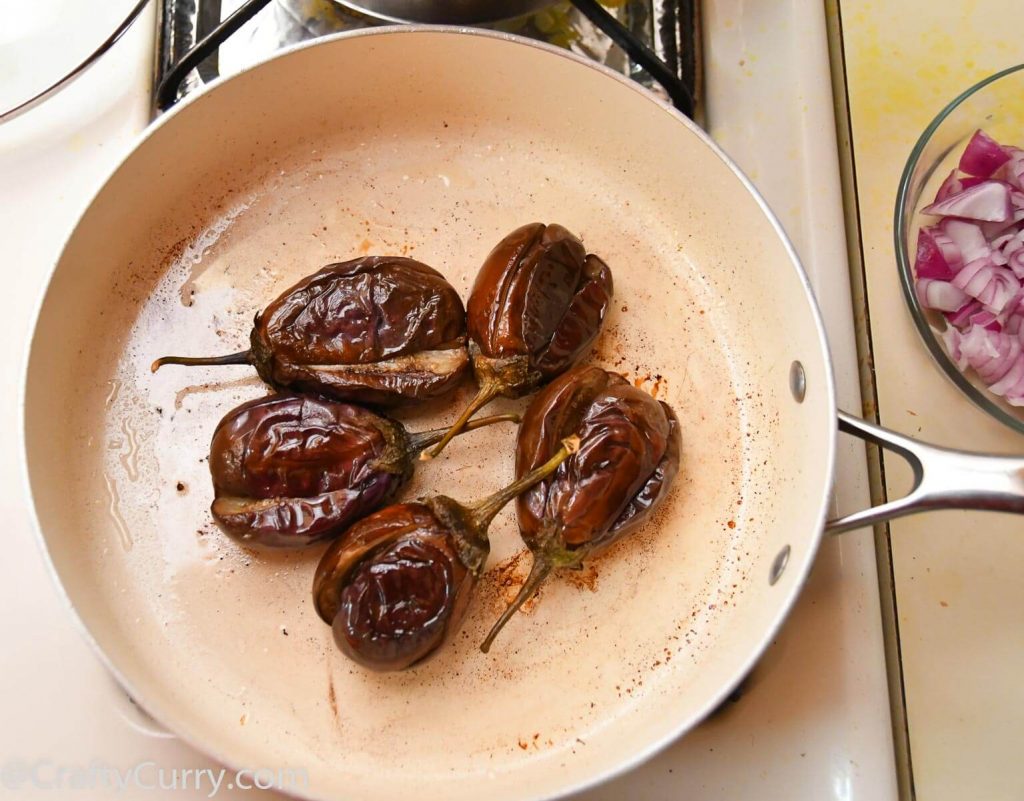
column 943, row 479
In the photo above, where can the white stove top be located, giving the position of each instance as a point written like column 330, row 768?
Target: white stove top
column 813, row 722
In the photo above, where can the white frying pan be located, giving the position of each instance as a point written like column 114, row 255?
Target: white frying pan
column 435, row 143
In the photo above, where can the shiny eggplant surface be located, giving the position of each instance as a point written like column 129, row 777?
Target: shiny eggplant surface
column 379, row 330
column 396, row 585
column 628, row 456
column 291, row 470
column 537, row 304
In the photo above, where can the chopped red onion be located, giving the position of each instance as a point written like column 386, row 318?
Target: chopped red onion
column 975, row 276
column 962, row 317
column 1014, row 324
column 968, row 238
column 1008, row 243
column 994, row 286
column 988, row 201
column 931, row 261
column 970, row 265
column 1013, row 170
column 986, row 319
column 1015, row 262
column 955, row 184
column 949, row 249
column 982, row 156
column 941, row 295
column 990, row 353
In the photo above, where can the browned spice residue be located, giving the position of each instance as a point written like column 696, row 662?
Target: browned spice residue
column 332, row 698
column 500, row 585
column 583, row 579
column 507, row 574
column 502, row 582
column 173, row 253
column 651, row 383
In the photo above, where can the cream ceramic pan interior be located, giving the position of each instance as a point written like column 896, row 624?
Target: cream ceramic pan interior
column 432, row 144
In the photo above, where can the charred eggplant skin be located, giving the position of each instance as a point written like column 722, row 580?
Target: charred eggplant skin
column 539, row 299
column 630, row 447
column 629, row 454
column 537, row 304
column 290, row 470
column 395, row 586
column 380, row 329
column 377, row 330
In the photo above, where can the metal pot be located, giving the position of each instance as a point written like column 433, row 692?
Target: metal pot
column 462, row 12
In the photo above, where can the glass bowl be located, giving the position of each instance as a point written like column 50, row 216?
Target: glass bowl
column 995, row 104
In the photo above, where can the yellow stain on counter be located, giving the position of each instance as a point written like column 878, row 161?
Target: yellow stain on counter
column 903, row 67
column 76, row 143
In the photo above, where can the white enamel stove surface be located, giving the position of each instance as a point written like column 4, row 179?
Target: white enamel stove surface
column 813, row 722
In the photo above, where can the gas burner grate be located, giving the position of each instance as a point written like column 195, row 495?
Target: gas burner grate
column 200, row 40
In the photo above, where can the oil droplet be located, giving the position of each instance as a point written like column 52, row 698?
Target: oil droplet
column 220, row 386
column 115, row 389
column 191, row 257
column 115, row 513
column 179, row 397
column 130, row 458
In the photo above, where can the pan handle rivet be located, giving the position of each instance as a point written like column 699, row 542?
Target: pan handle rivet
column 797, row 381
column 778, row 565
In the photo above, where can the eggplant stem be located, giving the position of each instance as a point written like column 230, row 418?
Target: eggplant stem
column 485, row 395
column 242, row 357
column 424, row 439
column 483, row 512
column 540, row 570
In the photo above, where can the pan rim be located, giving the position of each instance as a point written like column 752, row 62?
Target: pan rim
column 162, row 714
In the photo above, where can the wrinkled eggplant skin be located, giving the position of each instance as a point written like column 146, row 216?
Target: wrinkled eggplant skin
column 628, row 457
column 379, row 330
column 394, row 587
column 653, row 491
column 292, row 470
column 536, row 306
